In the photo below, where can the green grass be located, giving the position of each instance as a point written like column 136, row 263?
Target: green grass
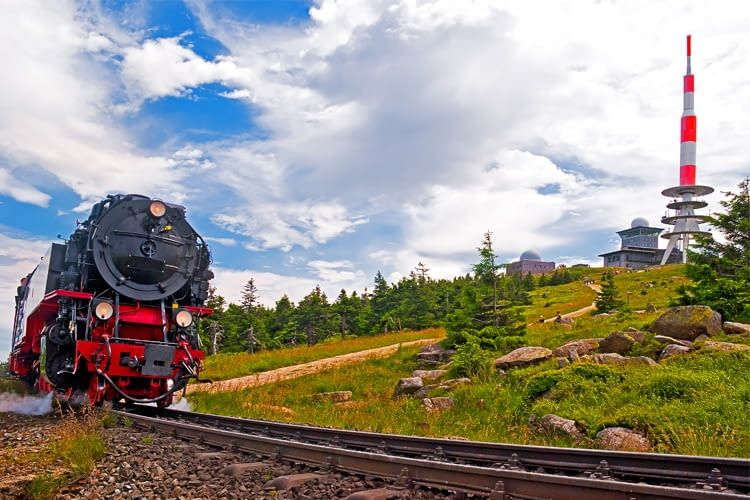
column 656, row 285
column 694, row 404
column 546, row 301
column 232, row 365
column 43, row 487
column 76, row 447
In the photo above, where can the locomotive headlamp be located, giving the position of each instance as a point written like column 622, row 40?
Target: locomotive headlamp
column 183, row 318
column 157, row 209
column 104, row 310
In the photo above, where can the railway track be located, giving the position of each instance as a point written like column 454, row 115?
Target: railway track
column 500, row 471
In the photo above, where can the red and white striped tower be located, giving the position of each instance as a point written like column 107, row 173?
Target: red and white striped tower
column 681, row 211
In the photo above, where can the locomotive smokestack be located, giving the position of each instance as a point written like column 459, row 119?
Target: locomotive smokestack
column 688, row 133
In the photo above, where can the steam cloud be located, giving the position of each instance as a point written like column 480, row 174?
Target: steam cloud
column 25, row 404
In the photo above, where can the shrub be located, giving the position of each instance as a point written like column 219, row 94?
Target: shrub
column 472, row 361
column 507, row 344
column 672, row 386
column 649, row 347
column 541, row 383
column 456, row 338
column 597, row 373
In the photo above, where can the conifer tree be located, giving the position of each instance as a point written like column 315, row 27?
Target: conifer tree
column 249, row 295
column 721, row 270
column 607, row 300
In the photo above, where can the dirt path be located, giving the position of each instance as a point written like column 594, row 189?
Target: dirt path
column 579, row 312
column 295, row 371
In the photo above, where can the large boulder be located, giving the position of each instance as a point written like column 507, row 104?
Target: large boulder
column 581, row 347
column 733, row 328
column 553, row 424
column 523, row 356
column 408, row 385
column 711, row 345
column 673, row 350
column 611, row 358
column 622, row 439
column 688, row 322
column 617, row 342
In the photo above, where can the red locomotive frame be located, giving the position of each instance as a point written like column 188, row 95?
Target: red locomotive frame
column 111, row 352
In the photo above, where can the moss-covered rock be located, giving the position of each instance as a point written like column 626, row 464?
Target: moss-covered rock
column 688, row 322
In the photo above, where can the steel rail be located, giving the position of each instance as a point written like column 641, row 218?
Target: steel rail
column 681, row 469
column 495, row 482
column 674, row 469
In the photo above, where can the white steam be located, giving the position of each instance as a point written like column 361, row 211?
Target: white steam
column 183, row 405
column 25, row 404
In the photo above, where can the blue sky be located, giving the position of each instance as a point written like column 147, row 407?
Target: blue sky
column 321, row 141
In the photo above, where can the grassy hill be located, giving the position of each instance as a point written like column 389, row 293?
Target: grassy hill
column 694, row 404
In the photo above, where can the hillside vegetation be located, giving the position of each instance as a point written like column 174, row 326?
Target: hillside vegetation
column 694, row 404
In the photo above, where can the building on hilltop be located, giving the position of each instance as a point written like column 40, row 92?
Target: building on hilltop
column 639, row 247
column 530, row 262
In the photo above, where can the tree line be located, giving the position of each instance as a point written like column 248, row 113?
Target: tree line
column 465, row 305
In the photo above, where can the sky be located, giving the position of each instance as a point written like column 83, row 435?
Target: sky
column 317, row 142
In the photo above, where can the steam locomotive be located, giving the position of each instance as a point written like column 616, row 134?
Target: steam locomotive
column 112, row 313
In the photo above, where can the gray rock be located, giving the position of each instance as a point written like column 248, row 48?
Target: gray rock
column 733, row 328
column 688, row 322
column 612, row 358
column 523, row 356
column 439, row 403
column 335, row 396
column 573, row 356
column 673, row 350
column 429, row 374
column 638, row 335
column 622, row 439
column 454, row 382
column 554, row 424
column 408, row 385
column 581, row 347
column 563, row 362
column 669, row 340
column 618, row 342
column 711, row 345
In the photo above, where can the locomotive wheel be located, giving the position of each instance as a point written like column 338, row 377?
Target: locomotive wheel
column 59, row 358
column 59, row 335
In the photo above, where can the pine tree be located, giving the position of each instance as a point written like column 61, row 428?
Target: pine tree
column 249, row 295
column 486, row 270
column 607, row 300
column 721, row 271
column 420, row 273
column 312, row 315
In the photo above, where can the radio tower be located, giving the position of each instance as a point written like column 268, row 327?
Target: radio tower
column 686, row 223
